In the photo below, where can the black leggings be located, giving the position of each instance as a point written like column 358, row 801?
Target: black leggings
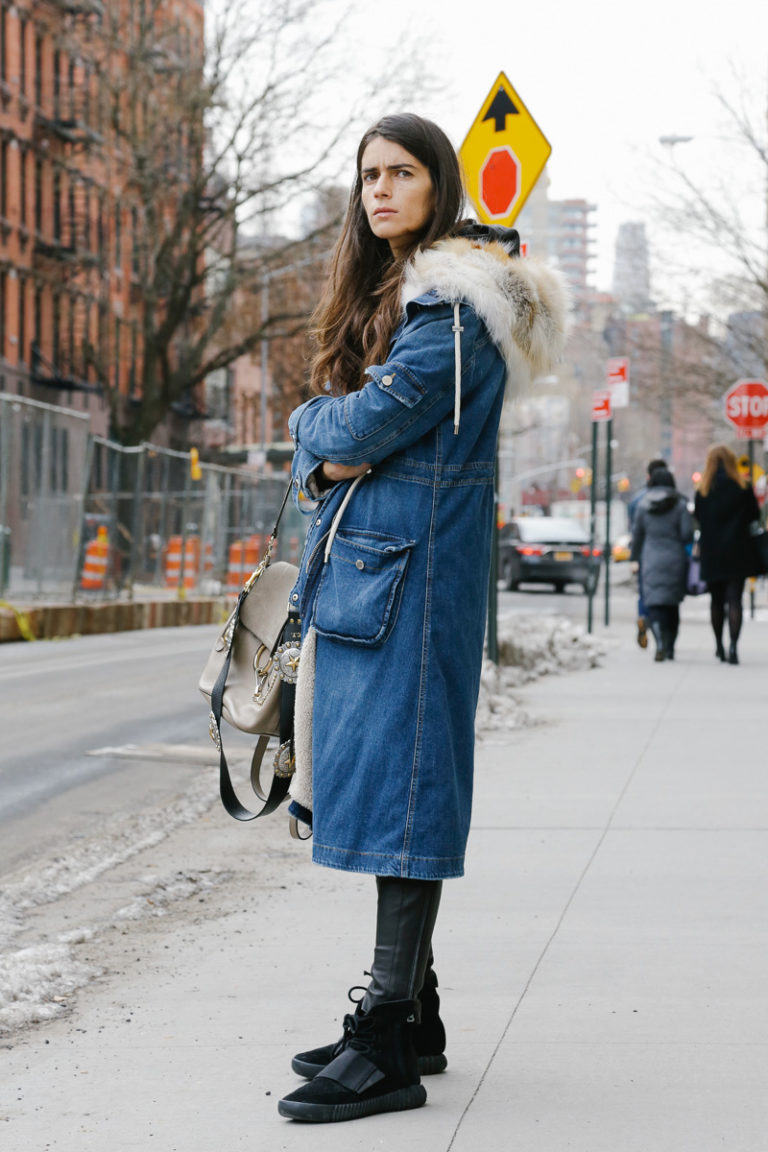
column 405, row 919
column 722, row 593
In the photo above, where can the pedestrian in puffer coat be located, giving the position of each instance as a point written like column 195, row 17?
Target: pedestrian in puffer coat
column 725, row 506
column 663, row 529
column 422, row 325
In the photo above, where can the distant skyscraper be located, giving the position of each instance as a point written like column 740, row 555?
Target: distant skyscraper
column 631, row 274
column 560, row 230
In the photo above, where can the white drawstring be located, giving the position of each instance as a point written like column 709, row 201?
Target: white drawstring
column 337, row 518
column 457, row 331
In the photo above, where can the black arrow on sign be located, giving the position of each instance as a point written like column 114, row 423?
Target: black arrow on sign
column 501, row 107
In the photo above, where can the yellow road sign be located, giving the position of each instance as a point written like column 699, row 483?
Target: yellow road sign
column 503, row 155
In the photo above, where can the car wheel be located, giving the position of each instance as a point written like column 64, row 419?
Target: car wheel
column 590, row 585
column 559, row 586
column 509, row 580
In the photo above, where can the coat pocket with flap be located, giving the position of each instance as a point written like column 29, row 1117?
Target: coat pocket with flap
column 360, row 590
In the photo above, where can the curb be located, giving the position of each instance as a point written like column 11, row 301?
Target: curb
column 57, row 621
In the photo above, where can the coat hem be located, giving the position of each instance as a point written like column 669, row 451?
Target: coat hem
column 387, row 864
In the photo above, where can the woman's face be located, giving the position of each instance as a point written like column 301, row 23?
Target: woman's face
column 397, row 194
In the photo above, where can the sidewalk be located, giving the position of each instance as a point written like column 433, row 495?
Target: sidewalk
column 602, row 965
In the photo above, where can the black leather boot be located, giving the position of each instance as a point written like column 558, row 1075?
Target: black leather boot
column 668, row 643
column 376, row 1071
column 657, row 635
column 428, row 1037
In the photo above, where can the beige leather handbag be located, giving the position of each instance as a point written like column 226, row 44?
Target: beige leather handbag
column 250, row 677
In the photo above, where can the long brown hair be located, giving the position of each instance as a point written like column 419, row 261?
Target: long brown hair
column 717, row 455
column 359, row 307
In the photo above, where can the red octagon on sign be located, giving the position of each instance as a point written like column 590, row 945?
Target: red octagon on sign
column 746, row 405
column 499, row 181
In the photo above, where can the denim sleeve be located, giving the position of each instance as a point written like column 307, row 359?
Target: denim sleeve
column 402, row 399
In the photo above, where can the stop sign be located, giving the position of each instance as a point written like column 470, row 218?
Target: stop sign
column 499, row 181
column 746, row 406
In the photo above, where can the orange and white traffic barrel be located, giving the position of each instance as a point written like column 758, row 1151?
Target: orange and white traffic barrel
column 173, row 562
column 94, row 574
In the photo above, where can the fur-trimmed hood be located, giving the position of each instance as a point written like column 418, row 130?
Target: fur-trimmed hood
column 522, row 303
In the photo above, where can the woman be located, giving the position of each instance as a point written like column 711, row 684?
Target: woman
column 725, row 506
column 416, row 337
column 662, row 529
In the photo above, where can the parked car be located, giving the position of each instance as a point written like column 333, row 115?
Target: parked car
column 547, row 550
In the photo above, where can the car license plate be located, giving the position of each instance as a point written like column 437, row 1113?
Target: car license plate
column 563, row 555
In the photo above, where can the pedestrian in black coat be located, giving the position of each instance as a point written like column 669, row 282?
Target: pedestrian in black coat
column 662, row 529
column 725, row 507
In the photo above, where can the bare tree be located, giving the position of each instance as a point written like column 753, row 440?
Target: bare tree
column 213, row 150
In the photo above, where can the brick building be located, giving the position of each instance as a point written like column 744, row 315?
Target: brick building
column 80, row 83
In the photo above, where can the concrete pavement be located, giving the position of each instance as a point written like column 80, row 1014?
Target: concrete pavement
column 602, row 965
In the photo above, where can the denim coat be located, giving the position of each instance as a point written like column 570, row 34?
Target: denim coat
column 398, row 609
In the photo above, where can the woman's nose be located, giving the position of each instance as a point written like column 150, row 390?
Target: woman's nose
column 382, row 186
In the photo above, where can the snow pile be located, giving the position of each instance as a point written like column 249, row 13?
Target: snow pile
column 36, row 984
column 530, row 647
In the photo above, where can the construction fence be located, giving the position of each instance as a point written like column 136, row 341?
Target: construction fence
column 83, row 518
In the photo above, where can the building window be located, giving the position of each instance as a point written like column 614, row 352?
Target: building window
column 72, row 215
column 56, row 330
column 4, row 178
column 39, row 70
column 57, row 85
column 23, row 187
column 23, row 56
column 3, row 294
column 38, row 195
column 22, row 320
column 135, row 267
column 117, row 354
column 57, row 206
column 3, row 42
column 38, row 318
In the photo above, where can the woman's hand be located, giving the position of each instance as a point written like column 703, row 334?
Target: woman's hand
column 333, row 473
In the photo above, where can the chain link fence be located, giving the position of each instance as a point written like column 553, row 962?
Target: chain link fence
column 82, row 518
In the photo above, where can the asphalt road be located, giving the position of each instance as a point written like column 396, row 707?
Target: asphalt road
column 66, row 701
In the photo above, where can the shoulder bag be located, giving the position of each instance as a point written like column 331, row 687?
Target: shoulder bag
column 250, row 678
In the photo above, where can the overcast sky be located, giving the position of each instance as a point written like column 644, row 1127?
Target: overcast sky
column 604, row 79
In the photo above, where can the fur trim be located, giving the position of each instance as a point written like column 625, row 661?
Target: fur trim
column 521, row 301
column 301, row 784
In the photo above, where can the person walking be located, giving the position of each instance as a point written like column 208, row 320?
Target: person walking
column 422, row 323
column 725, row 506
column 663, row 529
column 632, row 507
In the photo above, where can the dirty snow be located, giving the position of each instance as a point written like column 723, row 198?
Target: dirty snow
column 529, row 647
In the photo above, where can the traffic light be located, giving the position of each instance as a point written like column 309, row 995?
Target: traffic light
column 195, row 470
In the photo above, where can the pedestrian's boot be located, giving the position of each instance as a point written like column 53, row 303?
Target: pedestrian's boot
column 720, row 651
column 657, row 635
column 668, row 643
column 733, row 656
column 375, row 1071
column 642, row 632
column 428, row 1037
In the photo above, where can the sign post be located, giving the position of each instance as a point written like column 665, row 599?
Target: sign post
column 601, row 413
column 503, row 155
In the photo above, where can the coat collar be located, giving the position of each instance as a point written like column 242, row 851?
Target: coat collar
column 522, row 303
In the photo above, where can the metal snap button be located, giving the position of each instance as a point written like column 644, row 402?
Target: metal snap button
column 387, row 380
column 359, row 564
column 295, row 597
